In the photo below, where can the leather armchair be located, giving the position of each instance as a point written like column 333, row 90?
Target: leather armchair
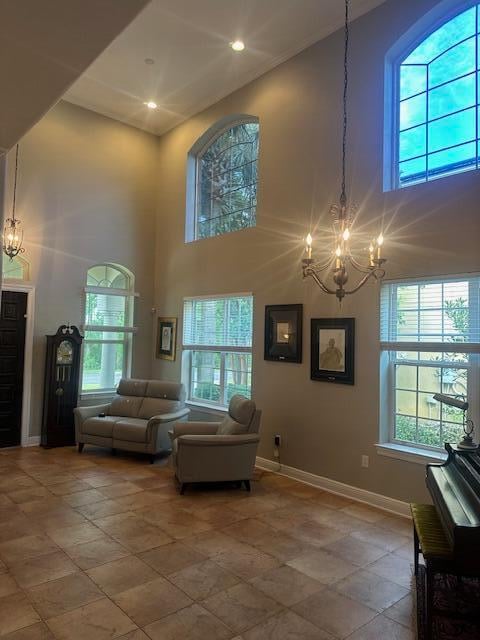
column 218, row 451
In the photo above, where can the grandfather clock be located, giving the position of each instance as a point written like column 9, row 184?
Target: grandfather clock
column 62, row 372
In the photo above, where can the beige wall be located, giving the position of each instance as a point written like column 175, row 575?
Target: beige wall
column 430, row 229
column 86, row 194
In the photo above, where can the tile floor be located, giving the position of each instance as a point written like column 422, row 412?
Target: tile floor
column 96, row 547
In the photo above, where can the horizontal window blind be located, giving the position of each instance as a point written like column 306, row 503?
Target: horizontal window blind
column 432, row 312
column 221, row 323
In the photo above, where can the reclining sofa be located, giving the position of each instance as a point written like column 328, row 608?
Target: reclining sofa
column 137, row 419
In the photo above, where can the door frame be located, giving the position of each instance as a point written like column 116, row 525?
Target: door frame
column 26, row 439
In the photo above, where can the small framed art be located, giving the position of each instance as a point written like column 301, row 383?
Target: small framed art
column 283, row 332
column 166, row 338
column 332, row 350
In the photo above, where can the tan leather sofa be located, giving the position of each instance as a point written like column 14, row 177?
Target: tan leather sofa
column 137, row 419
column 218, row 451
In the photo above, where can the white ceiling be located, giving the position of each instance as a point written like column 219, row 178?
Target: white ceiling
column 194, row 66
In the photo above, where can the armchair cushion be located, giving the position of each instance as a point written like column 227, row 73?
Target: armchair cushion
column 241, row 409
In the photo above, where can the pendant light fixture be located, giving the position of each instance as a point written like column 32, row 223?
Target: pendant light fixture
column 341, row 257
column 12, row 231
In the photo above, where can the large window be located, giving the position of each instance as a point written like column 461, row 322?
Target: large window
column 430, row 344
column 437, row 103
column 217, row 343
column 108, row 327
column 225, row 175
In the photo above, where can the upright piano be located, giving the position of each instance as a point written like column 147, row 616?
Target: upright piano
column 455, row 489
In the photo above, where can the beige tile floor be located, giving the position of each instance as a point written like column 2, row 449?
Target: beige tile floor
column 96, row 547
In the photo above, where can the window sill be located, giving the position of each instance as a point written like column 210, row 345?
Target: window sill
column 100, row 395
column 416, row 455
column 215, row 410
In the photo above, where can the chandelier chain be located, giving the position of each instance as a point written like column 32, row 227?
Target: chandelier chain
column 343, row 195
column 15, row 185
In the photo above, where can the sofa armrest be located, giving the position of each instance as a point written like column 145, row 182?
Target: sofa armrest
column 89, row 412
column 169, row 417
column 194, row 428
column 204, row 440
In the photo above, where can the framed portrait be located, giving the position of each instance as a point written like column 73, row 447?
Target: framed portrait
column 333, row 350
column 283, row 332
column 166, row 338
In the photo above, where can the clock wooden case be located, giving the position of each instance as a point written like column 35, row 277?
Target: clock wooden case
column 62, row 373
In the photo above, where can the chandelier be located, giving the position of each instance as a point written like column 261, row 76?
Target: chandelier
column 12, row 232
column 341, row 258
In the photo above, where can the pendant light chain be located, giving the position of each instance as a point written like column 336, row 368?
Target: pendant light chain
column 343, row 195
column 15, row 185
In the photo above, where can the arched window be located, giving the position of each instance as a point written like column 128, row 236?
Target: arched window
column 222, row 179
column 436, row 101
column 15, row 269
column 109, row 297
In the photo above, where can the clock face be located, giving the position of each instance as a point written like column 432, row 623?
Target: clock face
column 65, row 352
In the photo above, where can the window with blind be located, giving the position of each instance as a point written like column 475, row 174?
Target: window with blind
column 225, row 181
column 108, row 328
column 217, row 348
column 430, row 343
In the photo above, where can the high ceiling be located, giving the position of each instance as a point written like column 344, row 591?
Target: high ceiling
column 44, row 47
column 193, row 67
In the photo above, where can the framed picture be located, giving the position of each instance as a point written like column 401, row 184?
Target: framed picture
column 332, row 349
column 166, row 338
column 283, row 332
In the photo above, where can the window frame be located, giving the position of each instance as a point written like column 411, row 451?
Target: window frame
column 193, row 179
column 388, row 362
column 425, row 26
column 128, row 330
column 189, row 349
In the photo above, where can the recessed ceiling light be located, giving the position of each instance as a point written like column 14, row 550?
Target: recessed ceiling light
column 150, row 104
column 237, row 45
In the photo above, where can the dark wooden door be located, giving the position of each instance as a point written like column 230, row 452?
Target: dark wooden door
column 12, row 349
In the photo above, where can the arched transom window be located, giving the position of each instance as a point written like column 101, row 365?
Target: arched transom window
column 225, row 175
column 109, row 297
column 437, row 103
column 16, row 268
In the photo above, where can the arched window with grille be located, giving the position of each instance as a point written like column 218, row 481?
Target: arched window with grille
column 15, row 269
column 222, row 179
column 432, row 97
column 108, row 328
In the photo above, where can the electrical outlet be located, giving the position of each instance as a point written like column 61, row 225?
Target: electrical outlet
column 365, row 461
column 276, row 452
column 277, row 440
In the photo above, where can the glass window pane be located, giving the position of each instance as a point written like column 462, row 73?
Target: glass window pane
column 413, row 142
column 407, row 323
column 103, row 366
column 452, row 432
column 406, row 402
column 428, row 407
column 452, row 130
column 451, row 97
column 413, row 80
column 454, row 63
column 429, row 433
column 431, row 296
column 405, row 428
column 115, row 336
column 14, row 269
column 206, row 376
column 105, row 275
column 105, row 310
column 453, row 31
column 227, row 175
column 429, row 379
column 406, row 377
column 238, row 374
column 412, row 171
column 452, row 160
column 413, row 112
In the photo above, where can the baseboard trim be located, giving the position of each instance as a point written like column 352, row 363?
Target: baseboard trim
column 391, row 505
